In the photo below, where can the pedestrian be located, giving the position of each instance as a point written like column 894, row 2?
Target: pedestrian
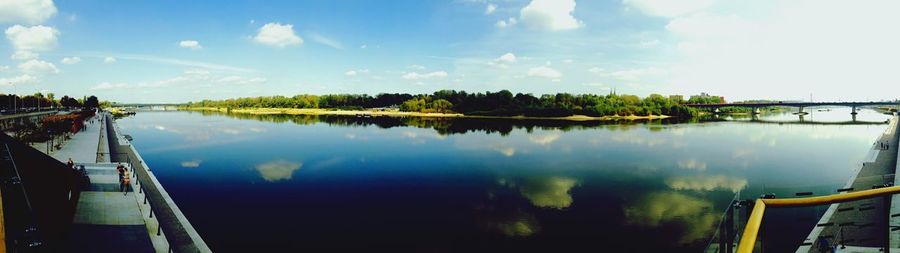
column 121, row 169
column 70, row 163
column 126, row 182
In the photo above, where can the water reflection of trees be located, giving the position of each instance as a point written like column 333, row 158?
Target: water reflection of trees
column 446, row 126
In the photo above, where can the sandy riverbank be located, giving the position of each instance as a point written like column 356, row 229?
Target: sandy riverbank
column 397, row 113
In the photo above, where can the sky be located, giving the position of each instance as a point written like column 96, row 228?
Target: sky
column 177, row 51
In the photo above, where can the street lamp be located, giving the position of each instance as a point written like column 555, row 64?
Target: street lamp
column 15, row 103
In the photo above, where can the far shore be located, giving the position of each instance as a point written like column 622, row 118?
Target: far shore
column 397, row 113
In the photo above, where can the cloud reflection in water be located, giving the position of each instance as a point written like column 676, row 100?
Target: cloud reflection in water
column 545, row 192
column 278, row 170
column 707, row 183
column 695, row 216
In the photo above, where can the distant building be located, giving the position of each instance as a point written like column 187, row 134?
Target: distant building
column 702, row 95
column 705, row 97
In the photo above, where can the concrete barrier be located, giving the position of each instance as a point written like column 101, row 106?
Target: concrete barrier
column 181, row 236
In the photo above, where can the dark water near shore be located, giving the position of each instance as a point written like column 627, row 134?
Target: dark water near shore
column 291, row 183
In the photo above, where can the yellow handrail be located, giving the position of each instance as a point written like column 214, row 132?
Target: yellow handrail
column 748, row 239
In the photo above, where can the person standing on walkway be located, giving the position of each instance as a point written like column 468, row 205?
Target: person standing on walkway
column 70, row 163
column 126, row 182
column 121, row 169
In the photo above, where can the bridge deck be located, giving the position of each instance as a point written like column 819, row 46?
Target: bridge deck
column 796, row 104
column 862, row 223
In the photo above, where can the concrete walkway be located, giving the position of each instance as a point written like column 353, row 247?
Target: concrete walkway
column 106, row 219
column 862, row 223
column 83, row 145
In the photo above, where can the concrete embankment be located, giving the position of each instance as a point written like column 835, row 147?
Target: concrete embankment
column 180, row 235
column 862, row 225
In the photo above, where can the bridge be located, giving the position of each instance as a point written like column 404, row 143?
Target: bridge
column 757, row 105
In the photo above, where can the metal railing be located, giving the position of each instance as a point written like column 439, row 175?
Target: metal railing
column 723, row 239
column 751, row 230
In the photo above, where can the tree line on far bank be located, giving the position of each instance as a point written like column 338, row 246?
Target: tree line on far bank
column 502, row 103
column 12, row 101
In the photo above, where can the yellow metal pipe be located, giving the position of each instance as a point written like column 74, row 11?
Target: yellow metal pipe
column 831, row 199
column 748, row 239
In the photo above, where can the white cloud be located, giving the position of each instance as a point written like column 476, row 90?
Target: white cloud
column 668, row 8
column 814, row 50
column 241, row 80
column 634, row 75
column 109, row 60
column 544, row 71
column 4, row 68
column 649, row 43
column 355, row 72
column 363, row 46
column 595, row 70
column 26, row 11
column 196, row 72
column 503, row 60
column 506, row 58
column 506, row 23
column 24, row 55
column 191, row 44
column 417, row 76
column 34, row 66
column 416, row 67
column 22, row 79
column 109, row 86
column 326, row 41
column 27, row 40
column 550, row 15
column 70, row 60
column 201, row 78
column 277, row 35
column 172, row 61
column 491, row 8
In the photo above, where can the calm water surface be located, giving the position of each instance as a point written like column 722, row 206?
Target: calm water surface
column 289, row 183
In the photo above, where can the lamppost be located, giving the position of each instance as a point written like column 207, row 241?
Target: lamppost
column 15, row 102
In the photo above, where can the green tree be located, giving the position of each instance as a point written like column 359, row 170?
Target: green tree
column 441, row 105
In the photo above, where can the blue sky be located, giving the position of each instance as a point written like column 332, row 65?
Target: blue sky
column 177, row 51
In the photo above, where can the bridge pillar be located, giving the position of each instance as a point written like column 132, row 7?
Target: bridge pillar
column 755, row 111
column 716, row 110
column 853, row 110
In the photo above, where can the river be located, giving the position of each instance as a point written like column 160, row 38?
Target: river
column 292, row 183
